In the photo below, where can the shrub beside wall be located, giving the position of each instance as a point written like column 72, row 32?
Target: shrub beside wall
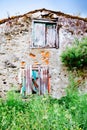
column 76, row 56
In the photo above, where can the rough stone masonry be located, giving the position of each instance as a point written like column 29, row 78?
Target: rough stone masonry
column 17, row 43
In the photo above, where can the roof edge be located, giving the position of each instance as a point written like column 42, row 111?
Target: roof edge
column 59, row 13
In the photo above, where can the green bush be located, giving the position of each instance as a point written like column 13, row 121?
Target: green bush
column 76, row 56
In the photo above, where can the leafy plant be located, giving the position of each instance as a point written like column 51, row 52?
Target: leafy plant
column 76, row 56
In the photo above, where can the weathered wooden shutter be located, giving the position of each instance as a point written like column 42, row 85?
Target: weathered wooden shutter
column 39, row 34
column 51, row 35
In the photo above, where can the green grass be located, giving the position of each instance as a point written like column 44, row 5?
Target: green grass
column 44, row 112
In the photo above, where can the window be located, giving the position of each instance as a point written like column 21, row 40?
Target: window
column 44, row 34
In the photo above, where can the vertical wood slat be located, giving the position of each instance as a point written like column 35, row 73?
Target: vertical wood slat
column 48, row 79
column 23, row 77
column 31, row 77
column 43, row 81
column 45, row 75
column 39, row 75
column 40, row 81
column 27, row 87
column 28, row 80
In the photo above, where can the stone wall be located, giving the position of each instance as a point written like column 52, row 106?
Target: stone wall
column 15, row 41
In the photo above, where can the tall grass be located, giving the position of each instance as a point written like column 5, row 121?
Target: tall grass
column 44, row 112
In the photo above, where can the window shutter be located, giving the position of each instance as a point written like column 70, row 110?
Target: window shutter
column 39, row 35
column 51, row 35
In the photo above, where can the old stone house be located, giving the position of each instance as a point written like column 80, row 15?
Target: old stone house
column 38, row 37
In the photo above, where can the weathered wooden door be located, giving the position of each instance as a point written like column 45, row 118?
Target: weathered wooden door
column 36, row 79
